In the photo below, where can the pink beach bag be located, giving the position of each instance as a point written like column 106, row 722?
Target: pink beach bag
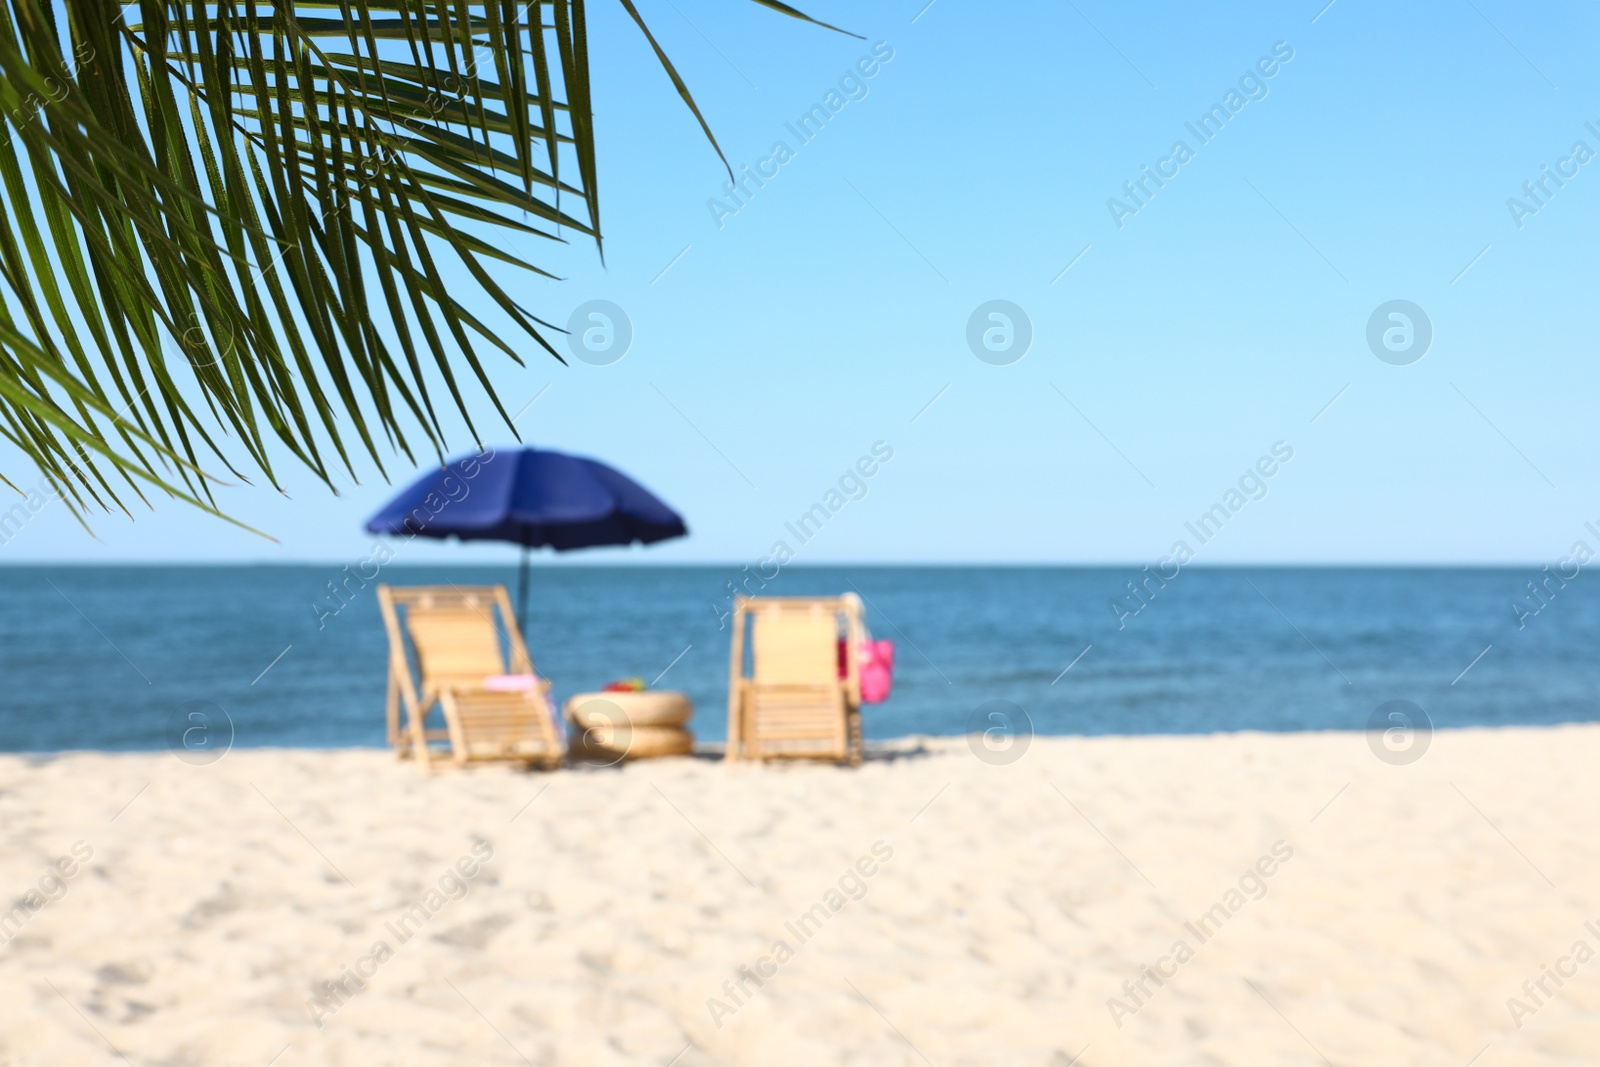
column 877, row 670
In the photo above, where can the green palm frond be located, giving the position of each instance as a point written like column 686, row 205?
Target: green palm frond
column 199, row 199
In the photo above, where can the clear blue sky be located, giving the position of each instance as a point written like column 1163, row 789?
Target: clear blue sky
column 1221, row 318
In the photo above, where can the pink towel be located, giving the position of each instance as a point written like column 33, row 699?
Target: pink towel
column 511, row 683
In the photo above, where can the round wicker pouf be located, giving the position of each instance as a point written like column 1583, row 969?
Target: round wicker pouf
column 611, row 727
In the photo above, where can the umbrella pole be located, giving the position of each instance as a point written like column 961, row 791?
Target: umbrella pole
column 522, row 594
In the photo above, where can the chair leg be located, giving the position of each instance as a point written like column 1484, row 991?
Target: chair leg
column 419, row 738
column 392, row 712
column 547, row 730
column 455, row 726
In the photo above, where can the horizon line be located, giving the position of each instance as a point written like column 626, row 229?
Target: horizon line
column 741, row 564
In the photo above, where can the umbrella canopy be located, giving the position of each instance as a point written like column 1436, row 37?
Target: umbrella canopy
column 530, row 497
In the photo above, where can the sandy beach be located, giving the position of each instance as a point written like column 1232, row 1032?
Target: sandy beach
column 1295, row 900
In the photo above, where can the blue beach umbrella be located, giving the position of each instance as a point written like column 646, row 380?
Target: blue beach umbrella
column 529, row 497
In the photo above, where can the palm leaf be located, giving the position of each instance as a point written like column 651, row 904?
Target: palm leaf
column 217, row 221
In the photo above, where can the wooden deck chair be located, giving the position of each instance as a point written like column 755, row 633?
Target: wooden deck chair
column 456, row 642
column 793, row 702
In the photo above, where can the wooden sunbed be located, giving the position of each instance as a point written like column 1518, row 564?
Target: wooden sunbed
column 793, row 703
column 457, row 645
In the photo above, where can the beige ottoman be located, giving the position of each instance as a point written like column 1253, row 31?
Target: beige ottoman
column 609, row 727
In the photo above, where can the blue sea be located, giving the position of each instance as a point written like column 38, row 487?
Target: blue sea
column 102, row 657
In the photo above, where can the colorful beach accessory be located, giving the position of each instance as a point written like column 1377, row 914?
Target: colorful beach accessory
column 625, row 685
column 877, row 667
column 877, row 670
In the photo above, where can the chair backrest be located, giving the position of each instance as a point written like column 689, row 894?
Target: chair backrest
column 454, row 633
column 455, row 645
column 795, row 647
column 795, row 640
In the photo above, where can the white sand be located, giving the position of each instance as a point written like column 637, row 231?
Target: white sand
column 617, row 902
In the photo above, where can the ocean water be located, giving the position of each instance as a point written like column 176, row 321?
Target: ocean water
column 103, row 657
